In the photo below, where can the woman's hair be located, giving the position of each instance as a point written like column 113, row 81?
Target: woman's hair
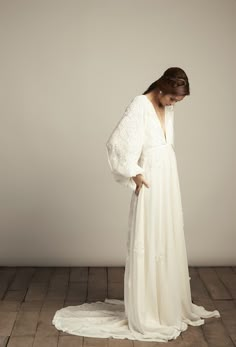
column 173, row 81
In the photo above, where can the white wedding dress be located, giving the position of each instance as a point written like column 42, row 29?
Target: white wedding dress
column 157, row 302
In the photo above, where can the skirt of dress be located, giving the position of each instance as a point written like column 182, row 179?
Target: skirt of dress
column 157, row 303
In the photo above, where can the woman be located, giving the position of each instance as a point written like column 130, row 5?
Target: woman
column 157, row 302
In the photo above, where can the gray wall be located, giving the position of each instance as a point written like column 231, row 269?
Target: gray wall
column 68, row 69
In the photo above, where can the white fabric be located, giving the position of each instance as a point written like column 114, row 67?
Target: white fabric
column 157, row 302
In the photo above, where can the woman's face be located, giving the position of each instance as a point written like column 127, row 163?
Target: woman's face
column 170, row 99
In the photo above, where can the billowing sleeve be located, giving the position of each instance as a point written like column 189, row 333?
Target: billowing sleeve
column 125, row 143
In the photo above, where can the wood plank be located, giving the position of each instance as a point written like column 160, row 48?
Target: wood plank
column 70, row 341
column 7, row 322
column 6, row 276
column 46, row 341
column 95, row 342
column 15, row 295
column 42, row 275
column 45, row 327
column 7, row 306
column 26, row 324
column 56, row 294
column 122, row 343
column 97, row 274
column 79, row 274
column 31, row 306
column 6, row 268
column 116, row 291
column 198, row 289
column 115, row 274
column 171, row 343
column 116, row 282
column 3, row 289
column 215, row 287
column 52, row 305
column 21, row 341
column 214, row 330
column 58, row 284
column 22, row 278
column 216, row 334
column 194, row 337
column 97, row 284
column 227, row 310
column 59, row 278
column 36, row 292
column 228, row 277
column 3, row 341
column 77, row 291
column 72, row 302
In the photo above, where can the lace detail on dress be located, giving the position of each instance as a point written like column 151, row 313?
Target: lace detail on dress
column 124, row 145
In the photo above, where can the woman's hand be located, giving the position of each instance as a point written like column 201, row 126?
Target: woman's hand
column 139, row 180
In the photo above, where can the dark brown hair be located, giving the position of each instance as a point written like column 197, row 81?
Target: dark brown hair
column 173, row 81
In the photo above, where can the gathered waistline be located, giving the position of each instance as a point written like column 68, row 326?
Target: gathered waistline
column 155, row 149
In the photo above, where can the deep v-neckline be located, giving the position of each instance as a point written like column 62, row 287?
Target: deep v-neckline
column 158, row 119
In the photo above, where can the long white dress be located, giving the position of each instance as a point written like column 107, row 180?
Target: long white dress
column 157, row 303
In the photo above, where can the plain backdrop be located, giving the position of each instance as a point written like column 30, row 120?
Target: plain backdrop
column 68, row 69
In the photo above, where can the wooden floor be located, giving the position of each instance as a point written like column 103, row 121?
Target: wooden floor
column 31, row 295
